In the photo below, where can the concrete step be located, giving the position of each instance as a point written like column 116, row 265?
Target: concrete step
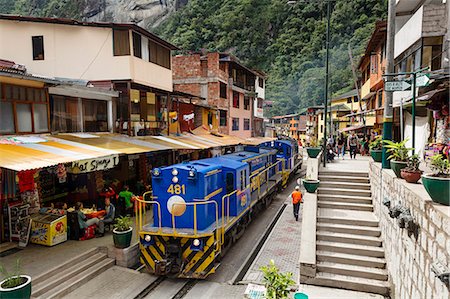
column 347, row 221
column 348, row 238
column 345, row 198
column 336, row 191
column 345, row 205
column 55, row 270
column 352, row 283
column 351, row 259
column 345, row 174
column 71, row 270
column 356, row 249
column 350, row 270
column 77, row 280
column 344, row 185
column 339, row 178
column 349, row 229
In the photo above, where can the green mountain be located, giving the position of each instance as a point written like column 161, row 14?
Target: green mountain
column 285, row 41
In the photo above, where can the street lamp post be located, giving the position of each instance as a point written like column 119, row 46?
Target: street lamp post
column 326, row 83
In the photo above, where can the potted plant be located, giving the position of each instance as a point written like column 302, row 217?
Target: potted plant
column 437, row 183
column 399, row 155
column 311, row 185
column 412, row 173
column 376, row 148
column 313, row 150
column 15, row 285
column 122, row 232
column 277, row 284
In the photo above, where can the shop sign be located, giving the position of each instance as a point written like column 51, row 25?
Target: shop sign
column 96, row 164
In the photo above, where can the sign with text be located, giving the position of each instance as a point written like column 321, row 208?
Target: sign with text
column 396, row 85
column 423, row 80
column 96, row 164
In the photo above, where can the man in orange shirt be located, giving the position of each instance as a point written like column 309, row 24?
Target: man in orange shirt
column 296, row 200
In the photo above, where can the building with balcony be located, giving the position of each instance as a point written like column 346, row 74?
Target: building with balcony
column 258, row 104
column 121, row 57
column 372, row 67
column 225, row 83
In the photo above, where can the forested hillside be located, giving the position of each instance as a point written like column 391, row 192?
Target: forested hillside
column 286, row 41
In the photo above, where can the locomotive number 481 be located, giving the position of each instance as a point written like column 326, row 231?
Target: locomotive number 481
column 176, row 189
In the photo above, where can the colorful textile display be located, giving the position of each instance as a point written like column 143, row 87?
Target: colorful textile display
column 7, row 183
column 26, row 180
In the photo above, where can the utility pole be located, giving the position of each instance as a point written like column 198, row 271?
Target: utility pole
column 326, row 83
column 388, row 111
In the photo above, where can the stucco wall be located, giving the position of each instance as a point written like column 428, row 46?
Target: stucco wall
column 78, row 52
column 409, row 259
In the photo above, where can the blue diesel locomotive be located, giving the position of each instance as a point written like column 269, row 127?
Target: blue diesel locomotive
column 201, row 207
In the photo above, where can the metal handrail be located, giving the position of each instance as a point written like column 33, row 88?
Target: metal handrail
column 141, row 204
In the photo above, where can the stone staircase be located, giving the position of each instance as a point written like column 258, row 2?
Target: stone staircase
column 61, row 280
column 349, row 250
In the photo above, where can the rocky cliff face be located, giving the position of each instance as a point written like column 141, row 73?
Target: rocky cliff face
column 145, row 13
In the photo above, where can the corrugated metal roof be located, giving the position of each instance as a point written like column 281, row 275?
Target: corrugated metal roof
column 21, row 154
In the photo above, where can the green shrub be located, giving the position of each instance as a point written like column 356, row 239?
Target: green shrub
column 277, row 283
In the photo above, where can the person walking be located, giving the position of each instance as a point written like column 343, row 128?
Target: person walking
column 296, row 200
column 352, row 144
column 341, row 146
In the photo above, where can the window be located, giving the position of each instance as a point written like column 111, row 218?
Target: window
column 235, row 124
column 38, row 47
column 321, row 115
column 235, row 99
column 380, row 99
column 223, row 118
column 349, row 100
column 246, row 103
column 40, row 118
column 223, row 90
column 65, row 116
column 246, row 124
column 230, row 182
column 137, row 45
column 159, row 54
column 374, row 64
column 321, row 128
column 121, row 42
column 260, row 103
column 355, row 99
column 261, row 82
column 23, row 109
column 7, row 117
column 24, row 123
column 204, row 67
column 95, row 116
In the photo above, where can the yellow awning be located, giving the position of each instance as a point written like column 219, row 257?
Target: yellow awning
column 31, row 152
column 257, row 140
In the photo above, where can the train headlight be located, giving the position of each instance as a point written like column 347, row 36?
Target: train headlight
column 156, row 172
column 192, row 173
column 148, row 238
column 197, row 245
column 147, row 241
column 175, row 179
column 174, row 171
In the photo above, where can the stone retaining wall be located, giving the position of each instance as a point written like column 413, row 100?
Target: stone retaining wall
column 409, row 258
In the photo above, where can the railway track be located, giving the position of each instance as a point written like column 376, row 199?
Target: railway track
column 167, row 288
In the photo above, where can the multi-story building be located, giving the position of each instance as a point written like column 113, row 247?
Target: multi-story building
column 225, row 82
column 312, row 124
column 258, row 104
column 123, row 57
column 372, row 67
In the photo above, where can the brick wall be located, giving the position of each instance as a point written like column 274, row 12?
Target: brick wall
column 186, row 66
column 191, row 88
column 409, row 258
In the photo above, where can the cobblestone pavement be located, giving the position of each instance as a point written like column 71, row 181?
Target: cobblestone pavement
column 282, row 245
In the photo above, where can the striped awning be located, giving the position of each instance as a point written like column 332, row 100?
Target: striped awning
column 31, row 152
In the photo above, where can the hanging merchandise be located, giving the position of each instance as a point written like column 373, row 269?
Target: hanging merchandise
column 26, row 180
column 188, row 117
column 99, row 181
column 173, row 115
column 8, row 184
column 61, row 173
column 31, row 197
